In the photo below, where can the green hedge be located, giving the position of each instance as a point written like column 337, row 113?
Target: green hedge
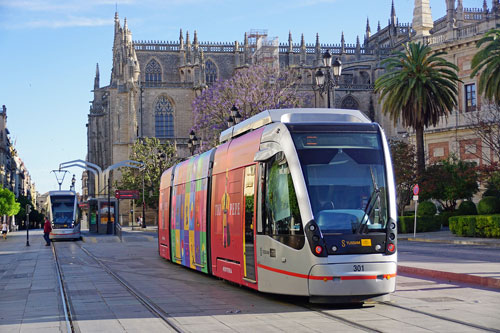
column 476, row 225
column 424, row 223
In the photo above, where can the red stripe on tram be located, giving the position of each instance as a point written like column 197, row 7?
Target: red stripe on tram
column 326, row 278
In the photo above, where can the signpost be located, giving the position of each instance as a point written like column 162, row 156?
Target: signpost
column 127, row 194
column 416, row 190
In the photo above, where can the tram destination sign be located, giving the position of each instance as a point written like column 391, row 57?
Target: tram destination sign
column 127, row 194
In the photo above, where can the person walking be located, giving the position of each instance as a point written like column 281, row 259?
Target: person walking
column 4, row 230
column 47, row 228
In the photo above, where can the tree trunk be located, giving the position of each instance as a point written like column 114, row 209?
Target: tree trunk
column 420, row 152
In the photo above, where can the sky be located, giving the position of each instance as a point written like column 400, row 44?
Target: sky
column 49, row 50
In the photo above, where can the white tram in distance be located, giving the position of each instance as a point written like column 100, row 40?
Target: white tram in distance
column 293, row 201
column 63, row 214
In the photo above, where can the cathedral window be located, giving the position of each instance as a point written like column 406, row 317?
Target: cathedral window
column 349, row 103
column 164, row 118
column 210, row 72
column 153, row 71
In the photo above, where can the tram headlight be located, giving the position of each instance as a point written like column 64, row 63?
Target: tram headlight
column 393, row 225
column 392, row 236
column 378, row 247
column 334, row 248
column 312, row 227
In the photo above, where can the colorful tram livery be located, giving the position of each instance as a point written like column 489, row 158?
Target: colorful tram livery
column 62, row 208
column 293, row 201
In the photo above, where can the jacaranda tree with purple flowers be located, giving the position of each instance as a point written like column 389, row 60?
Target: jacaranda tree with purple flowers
column 251, row 90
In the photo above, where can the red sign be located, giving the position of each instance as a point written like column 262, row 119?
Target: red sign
column 83, row 205
column 416, row 189
column 127, row 194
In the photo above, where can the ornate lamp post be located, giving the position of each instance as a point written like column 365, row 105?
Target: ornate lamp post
column 327, row 77
column 192, row 142
column 235, row 117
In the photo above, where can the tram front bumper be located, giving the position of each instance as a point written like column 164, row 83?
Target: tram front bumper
column 357, row 278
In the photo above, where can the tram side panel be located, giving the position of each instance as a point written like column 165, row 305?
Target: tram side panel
column 231, row 260
column 188, row 228
column 164, row 214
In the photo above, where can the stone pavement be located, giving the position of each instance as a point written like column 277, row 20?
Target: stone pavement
column 477, row 272
column 29, row 291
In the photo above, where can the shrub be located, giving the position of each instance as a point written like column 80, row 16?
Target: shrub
column 424, row 223
column 444, row 217
column 426, row 208
column 467, row 208
column 488, row 206
column 476, row 225
column 491, row 192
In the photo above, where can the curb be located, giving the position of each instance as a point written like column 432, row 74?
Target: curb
column 449, row 241
column 451, row 277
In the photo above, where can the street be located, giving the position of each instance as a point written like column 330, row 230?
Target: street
column 115, row 286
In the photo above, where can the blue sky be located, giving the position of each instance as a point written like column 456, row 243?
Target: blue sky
column 49, row 50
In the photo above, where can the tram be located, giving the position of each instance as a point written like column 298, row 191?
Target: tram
column 293, row 201
column 62, row 208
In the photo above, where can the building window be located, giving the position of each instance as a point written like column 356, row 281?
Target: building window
column 470, row 97
column 153, row 71
column 349, row 103
column 210, row 72
column 164, row 118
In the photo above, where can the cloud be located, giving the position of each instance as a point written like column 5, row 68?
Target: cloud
column 70, row 22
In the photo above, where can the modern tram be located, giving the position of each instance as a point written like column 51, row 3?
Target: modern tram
column 62, row 208
column 293, row 201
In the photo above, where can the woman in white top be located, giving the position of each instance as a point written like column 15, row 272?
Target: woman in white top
column 4, row 230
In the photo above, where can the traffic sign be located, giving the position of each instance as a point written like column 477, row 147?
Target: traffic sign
column 127, row 194
column 416, row 189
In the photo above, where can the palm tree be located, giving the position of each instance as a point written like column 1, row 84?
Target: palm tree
column 418, row 88
column 488, row 60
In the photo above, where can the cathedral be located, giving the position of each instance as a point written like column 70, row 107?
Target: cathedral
column 153, row 83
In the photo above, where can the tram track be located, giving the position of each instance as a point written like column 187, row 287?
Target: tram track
column 144, row 300
column 68, row 316
column 436, row 316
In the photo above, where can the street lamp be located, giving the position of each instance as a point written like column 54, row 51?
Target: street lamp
column 73, row 181
column 192, row 142
column 327, row 81
column 235, row 117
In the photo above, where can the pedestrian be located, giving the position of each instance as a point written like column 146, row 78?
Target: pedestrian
column 4, row 230
column 47, row 228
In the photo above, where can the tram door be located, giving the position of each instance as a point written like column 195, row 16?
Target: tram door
column 249, row 239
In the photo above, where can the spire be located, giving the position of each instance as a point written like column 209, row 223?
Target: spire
column 125, row 25
column 302, row 42
column 368, row 30
column 188, row 42
column 422, row 18
column 117, row 22
column 358, row 44
column 96, row 79
column 181, row 41
column 290, row 45
column 378, row 26
column 195, row 39
column 317, row 40
column 485, row 6
column 245, row 41
column 393, row 14
column 342, row 39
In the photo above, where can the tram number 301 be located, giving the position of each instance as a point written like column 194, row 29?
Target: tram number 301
column 358, row 268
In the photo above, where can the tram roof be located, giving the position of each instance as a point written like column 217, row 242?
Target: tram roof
column 61, row 192
column 305, row 115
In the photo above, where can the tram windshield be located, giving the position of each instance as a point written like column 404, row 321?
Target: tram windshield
column 63, row 209
column 345, row 177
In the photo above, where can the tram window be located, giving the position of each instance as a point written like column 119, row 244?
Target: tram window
column 281, row 214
